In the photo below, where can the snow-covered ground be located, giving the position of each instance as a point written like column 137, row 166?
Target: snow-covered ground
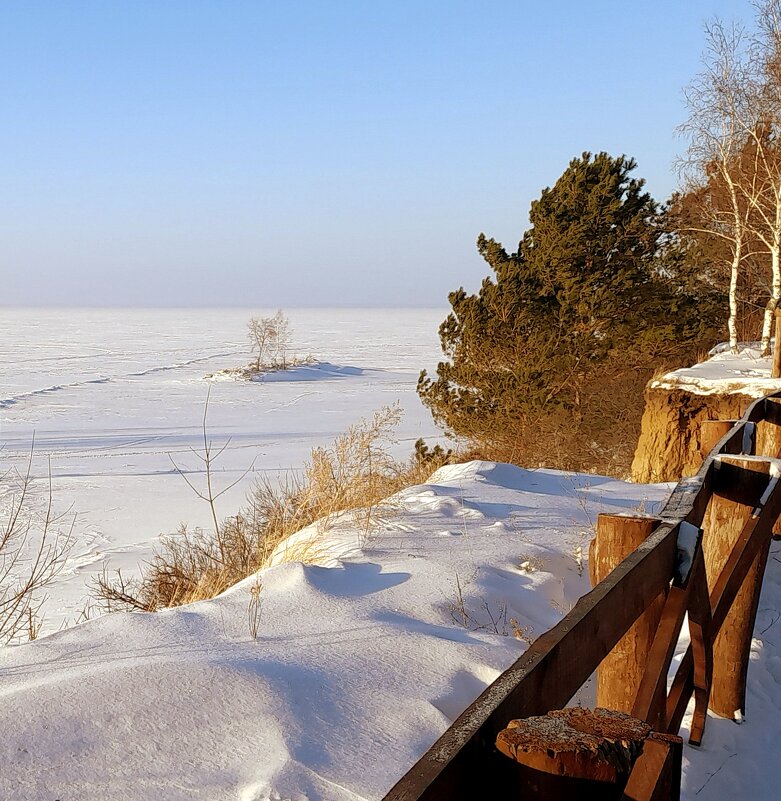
column 356, row 670
column 113, row 395
column 360, row 662
column 746, row 372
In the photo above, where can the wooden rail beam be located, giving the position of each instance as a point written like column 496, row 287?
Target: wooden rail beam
column 701, row 635
column 650, row 703
column 656, row 775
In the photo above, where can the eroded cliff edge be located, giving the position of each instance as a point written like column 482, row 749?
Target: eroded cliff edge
column 720, row 388
column 669, row 443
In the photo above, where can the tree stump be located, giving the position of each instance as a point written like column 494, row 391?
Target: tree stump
column 574, row 753
column 619, row 675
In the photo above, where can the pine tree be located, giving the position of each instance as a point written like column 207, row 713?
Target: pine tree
column 596, row 289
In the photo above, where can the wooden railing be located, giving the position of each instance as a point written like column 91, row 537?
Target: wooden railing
column 727, row 512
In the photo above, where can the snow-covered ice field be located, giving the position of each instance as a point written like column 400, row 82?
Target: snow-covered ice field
column 113, row 395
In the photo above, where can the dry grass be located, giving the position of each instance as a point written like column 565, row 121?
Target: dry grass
column 354, row 475
column 599, row 436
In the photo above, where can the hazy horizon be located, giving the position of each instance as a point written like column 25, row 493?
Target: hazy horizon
column 230, row 306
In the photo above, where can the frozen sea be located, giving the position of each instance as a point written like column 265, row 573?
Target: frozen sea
column 115, row 397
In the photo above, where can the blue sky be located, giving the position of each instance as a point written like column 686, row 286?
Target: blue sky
column 312, row 153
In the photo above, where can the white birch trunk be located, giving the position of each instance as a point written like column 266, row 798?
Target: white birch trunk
column 739, row 232
column 775, row 265
column 733, row 301
column 775, row 292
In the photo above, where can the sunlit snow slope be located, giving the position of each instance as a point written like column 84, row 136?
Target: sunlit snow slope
column 357, row 668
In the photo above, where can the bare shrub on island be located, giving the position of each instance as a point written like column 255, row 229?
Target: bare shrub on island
column 270, row 340
column 270, row 344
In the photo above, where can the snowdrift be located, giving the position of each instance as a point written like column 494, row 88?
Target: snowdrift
column 360, row 662
column 357, row 669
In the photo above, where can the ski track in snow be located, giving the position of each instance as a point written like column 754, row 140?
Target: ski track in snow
column 15, row 399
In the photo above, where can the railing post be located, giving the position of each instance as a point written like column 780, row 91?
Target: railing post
column 730, row 509
column 768, row 435
column 619, row 675
column 711, row 431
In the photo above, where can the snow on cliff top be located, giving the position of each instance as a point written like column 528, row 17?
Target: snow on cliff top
column 359, row 665
column 725, row 373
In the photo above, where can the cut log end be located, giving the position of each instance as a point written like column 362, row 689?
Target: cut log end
column 600, row 744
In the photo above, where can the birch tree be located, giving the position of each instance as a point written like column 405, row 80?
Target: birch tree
column 280, row 330
column 734, row 126
column 714, row 169
column 763, row 124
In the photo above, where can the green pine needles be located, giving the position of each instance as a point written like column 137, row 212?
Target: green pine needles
column 540, row 363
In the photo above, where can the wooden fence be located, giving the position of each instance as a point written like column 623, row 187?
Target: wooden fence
column 705, row 556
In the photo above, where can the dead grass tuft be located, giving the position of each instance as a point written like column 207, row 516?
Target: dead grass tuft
column 355, row 474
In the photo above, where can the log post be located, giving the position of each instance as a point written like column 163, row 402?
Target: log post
column 736, row 494
column 620, row 674
column 768, row 438
column 573, row 754
column 711, row 431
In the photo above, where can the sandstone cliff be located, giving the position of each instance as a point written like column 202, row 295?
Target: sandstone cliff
column 720, row 388
column 669, row 443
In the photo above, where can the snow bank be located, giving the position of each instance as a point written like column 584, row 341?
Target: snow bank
column 314, row 371
column 360, row 664
column 726, row 373
column 357, row 669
